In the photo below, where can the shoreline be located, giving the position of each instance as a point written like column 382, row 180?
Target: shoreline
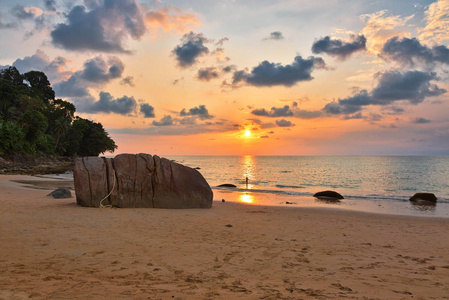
column 254, row 197
column 353, row 204
column 53, row 249
column 25, row 164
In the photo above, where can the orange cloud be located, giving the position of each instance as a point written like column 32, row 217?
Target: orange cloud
column 437, row 27
column 171, row 18
column 379, row 28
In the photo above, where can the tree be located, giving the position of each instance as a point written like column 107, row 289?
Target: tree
column 13, row 75
column 12, row 138
column 40, row 85
column 60, row 117
column 91, row 138
column 32, row 121
column 34, row 124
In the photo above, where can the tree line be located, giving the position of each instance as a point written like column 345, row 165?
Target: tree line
column 33, row 122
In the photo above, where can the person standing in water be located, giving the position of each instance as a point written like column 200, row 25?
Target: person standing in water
column 246, row 182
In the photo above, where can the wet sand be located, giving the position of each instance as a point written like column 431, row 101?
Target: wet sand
column 53, row 249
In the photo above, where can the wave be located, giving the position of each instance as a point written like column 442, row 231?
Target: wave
column 289, row 186
column 371, row 197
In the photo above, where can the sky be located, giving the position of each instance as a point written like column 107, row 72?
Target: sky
column 234, row 77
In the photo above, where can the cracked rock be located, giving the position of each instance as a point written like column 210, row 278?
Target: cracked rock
column 139, row 180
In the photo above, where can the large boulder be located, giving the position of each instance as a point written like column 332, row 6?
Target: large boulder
column 139, row 180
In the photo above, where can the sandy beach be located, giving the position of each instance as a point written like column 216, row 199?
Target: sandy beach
column 54, row 249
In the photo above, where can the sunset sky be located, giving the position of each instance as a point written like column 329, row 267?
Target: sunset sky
column 234, row 77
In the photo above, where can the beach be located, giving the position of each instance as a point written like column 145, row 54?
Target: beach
column 54, row 249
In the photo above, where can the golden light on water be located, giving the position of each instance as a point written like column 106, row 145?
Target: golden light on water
column 248, row 165
column 247, row 198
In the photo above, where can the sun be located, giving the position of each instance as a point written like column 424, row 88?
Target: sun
column 247, row 133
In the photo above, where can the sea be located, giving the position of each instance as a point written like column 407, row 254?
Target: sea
column 374, row 184
column 370, row 184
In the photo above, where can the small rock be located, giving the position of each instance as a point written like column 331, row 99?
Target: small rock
column 223, row 200
column 228, row 225
column 328, row 194
column 424, row 196
column 227, row 185
column 61, row 193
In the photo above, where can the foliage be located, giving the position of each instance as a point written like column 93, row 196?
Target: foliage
column 32, row 121
column 12, row 138
column 89, row 138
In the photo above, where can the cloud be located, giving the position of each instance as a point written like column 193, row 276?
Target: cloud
column 104, row 27
column 420, row 121
column 229, row 68
column 207, row 74
column 177, row 81
column 307, row 114
column 191, row 48
column 275, row 35
column 284, row 123
column 437, row 23
column 392, row 110
column 55, row 69
column 172, row 126
column 410, row 51
column 107, row 104
column 220, row 55
column 413, row 86
column 50, row 5
column 128, row 80
column 286, row 111
column 274, row 112
column 7, row 25
column 221, row 42
column 200, row 112
column 147, row 110
column 379, row 28
column 171, row 18
column 72, row 87
column 96, row 72
column 167, row 120
column 339, row 48
column 23, row 13
column 272, row 74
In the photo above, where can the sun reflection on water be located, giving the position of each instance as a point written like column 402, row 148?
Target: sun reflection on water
column 248, row 168
column 247, row 198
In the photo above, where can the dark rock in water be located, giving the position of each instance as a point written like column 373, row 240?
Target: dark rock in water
column 139, row 180
column 61, row 193
column 223, row 200
column 424, row 197
column 227, row 185
column 328, row 194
